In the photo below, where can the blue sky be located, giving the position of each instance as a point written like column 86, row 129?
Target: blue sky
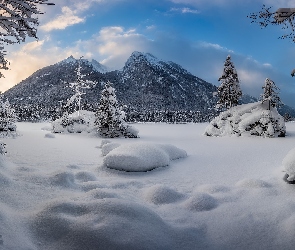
column 197, row 34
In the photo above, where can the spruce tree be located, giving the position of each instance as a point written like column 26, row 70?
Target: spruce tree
column 7, row 117
column 270, row 94
column 109, row 117
column 229, row 91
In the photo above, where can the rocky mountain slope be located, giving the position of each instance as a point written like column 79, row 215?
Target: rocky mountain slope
column 144, row 84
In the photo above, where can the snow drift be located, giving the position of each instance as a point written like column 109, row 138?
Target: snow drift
column 253, row 119
column 140, row 157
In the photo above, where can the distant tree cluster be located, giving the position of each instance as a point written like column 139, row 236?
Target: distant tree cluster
column 170, row 116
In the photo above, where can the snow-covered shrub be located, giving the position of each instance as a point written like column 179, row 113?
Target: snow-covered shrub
column 248, row 119
column 110, row 121
column 73, row 123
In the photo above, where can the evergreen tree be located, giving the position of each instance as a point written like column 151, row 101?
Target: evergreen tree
column 7, row 117
column 270, row 94
column 109, row 117
column 229, row 91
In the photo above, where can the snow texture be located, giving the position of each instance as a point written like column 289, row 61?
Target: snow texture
column 140, row 157
column 254, row 119
column 56, row 194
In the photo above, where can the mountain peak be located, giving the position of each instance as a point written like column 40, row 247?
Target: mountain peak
column 93, row 63
column 146, row 58
column 70, row 59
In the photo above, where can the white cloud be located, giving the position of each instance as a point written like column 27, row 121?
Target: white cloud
column 215, row 46
column 67, row 18
column 185, row 10
column 113, row 45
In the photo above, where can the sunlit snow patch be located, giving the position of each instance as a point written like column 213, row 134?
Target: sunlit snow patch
column 142, row 157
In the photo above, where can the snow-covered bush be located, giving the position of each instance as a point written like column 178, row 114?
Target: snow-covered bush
column 110, row 118
column 249, row 119
column 73, row 123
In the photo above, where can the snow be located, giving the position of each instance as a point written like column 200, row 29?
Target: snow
column 289, row 164
column 140, row 157
column 228, row 193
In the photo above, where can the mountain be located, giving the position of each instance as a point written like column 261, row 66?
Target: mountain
column 144, row 85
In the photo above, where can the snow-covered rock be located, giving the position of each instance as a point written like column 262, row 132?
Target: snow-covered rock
column 141, row 157
column 248, row 119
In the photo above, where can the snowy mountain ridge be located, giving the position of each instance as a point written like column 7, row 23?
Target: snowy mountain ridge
column 95, row 64
column 145, row 85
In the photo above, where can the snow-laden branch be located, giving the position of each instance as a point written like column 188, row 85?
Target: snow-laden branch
column 282, row 16
column 18, row 20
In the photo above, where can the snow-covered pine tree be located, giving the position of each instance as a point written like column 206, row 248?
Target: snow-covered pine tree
column 110, row 118
column 17, row 22
column 78, row 87
column 229, row 91
column 270, row 94
column 7, row 117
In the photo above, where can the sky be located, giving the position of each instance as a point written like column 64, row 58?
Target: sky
column 197, row 34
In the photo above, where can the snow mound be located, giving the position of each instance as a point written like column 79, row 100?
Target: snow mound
column 289, row 165
column 253, row 119
column 159, row 194
column 201, row 202
column 75, row 225
column 63, row 180
column 106, row 148
column 142, row 157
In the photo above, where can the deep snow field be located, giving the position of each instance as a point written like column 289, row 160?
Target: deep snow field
column 228, row 193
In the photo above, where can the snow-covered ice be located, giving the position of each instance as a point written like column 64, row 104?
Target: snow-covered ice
column 229, row 192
